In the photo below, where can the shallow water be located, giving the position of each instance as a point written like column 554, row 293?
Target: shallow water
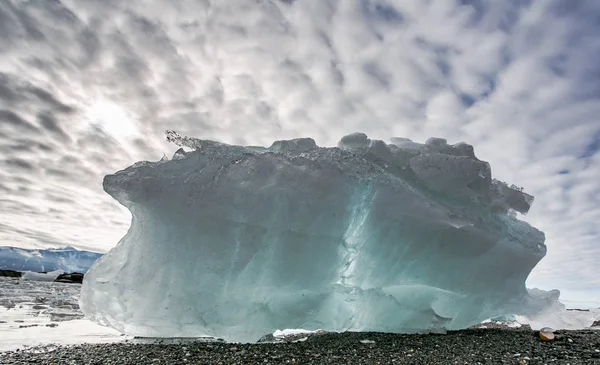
column 34, row 313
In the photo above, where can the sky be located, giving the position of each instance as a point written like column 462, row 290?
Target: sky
column 88, row 88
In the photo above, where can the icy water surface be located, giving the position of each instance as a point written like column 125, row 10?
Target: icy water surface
column 36, row 313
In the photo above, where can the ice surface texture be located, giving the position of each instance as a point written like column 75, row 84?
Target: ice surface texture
column 235, row 242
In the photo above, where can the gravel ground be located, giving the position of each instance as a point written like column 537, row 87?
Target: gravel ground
column 471, row 346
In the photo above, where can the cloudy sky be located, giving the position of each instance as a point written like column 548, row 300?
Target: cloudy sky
column 89, row 87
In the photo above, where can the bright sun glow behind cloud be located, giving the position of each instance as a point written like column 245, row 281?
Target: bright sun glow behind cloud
column 112, row 118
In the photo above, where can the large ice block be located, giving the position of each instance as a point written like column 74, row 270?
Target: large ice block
column 235, row 242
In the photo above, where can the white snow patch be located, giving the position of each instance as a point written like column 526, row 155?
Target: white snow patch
column 293, row 331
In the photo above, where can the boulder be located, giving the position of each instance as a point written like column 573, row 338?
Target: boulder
column 73, row 278
column 10, row 273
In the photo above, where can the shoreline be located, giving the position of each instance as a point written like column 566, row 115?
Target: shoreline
column 468, row 346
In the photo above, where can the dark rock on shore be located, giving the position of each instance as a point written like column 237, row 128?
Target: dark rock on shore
column 10, row 273
column 471, row 346
column 75, row 278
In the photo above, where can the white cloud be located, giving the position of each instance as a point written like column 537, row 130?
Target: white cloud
column 518, row 80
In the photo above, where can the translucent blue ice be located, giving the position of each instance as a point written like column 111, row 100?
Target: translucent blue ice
column 235, row 242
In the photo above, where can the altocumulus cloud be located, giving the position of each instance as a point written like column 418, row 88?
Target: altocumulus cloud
column 88, row 87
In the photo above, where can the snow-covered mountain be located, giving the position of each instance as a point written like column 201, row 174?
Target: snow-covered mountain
column 67, row 259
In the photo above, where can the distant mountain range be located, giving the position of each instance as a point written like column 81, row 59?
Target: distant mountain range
column 67, row 259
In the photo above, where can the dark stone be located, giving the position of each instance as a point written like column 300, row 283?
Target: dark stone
column 485, row 346
column 73, row 278
column 596, row 324
column 10, row 273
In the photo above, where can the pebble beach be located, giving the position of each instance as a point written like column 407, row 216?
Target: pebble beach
column 470, row 346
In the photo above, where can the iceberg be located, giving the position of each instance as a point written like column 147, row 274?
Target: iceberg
column 41, row 276
column 67, row 259
column 238, row 241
